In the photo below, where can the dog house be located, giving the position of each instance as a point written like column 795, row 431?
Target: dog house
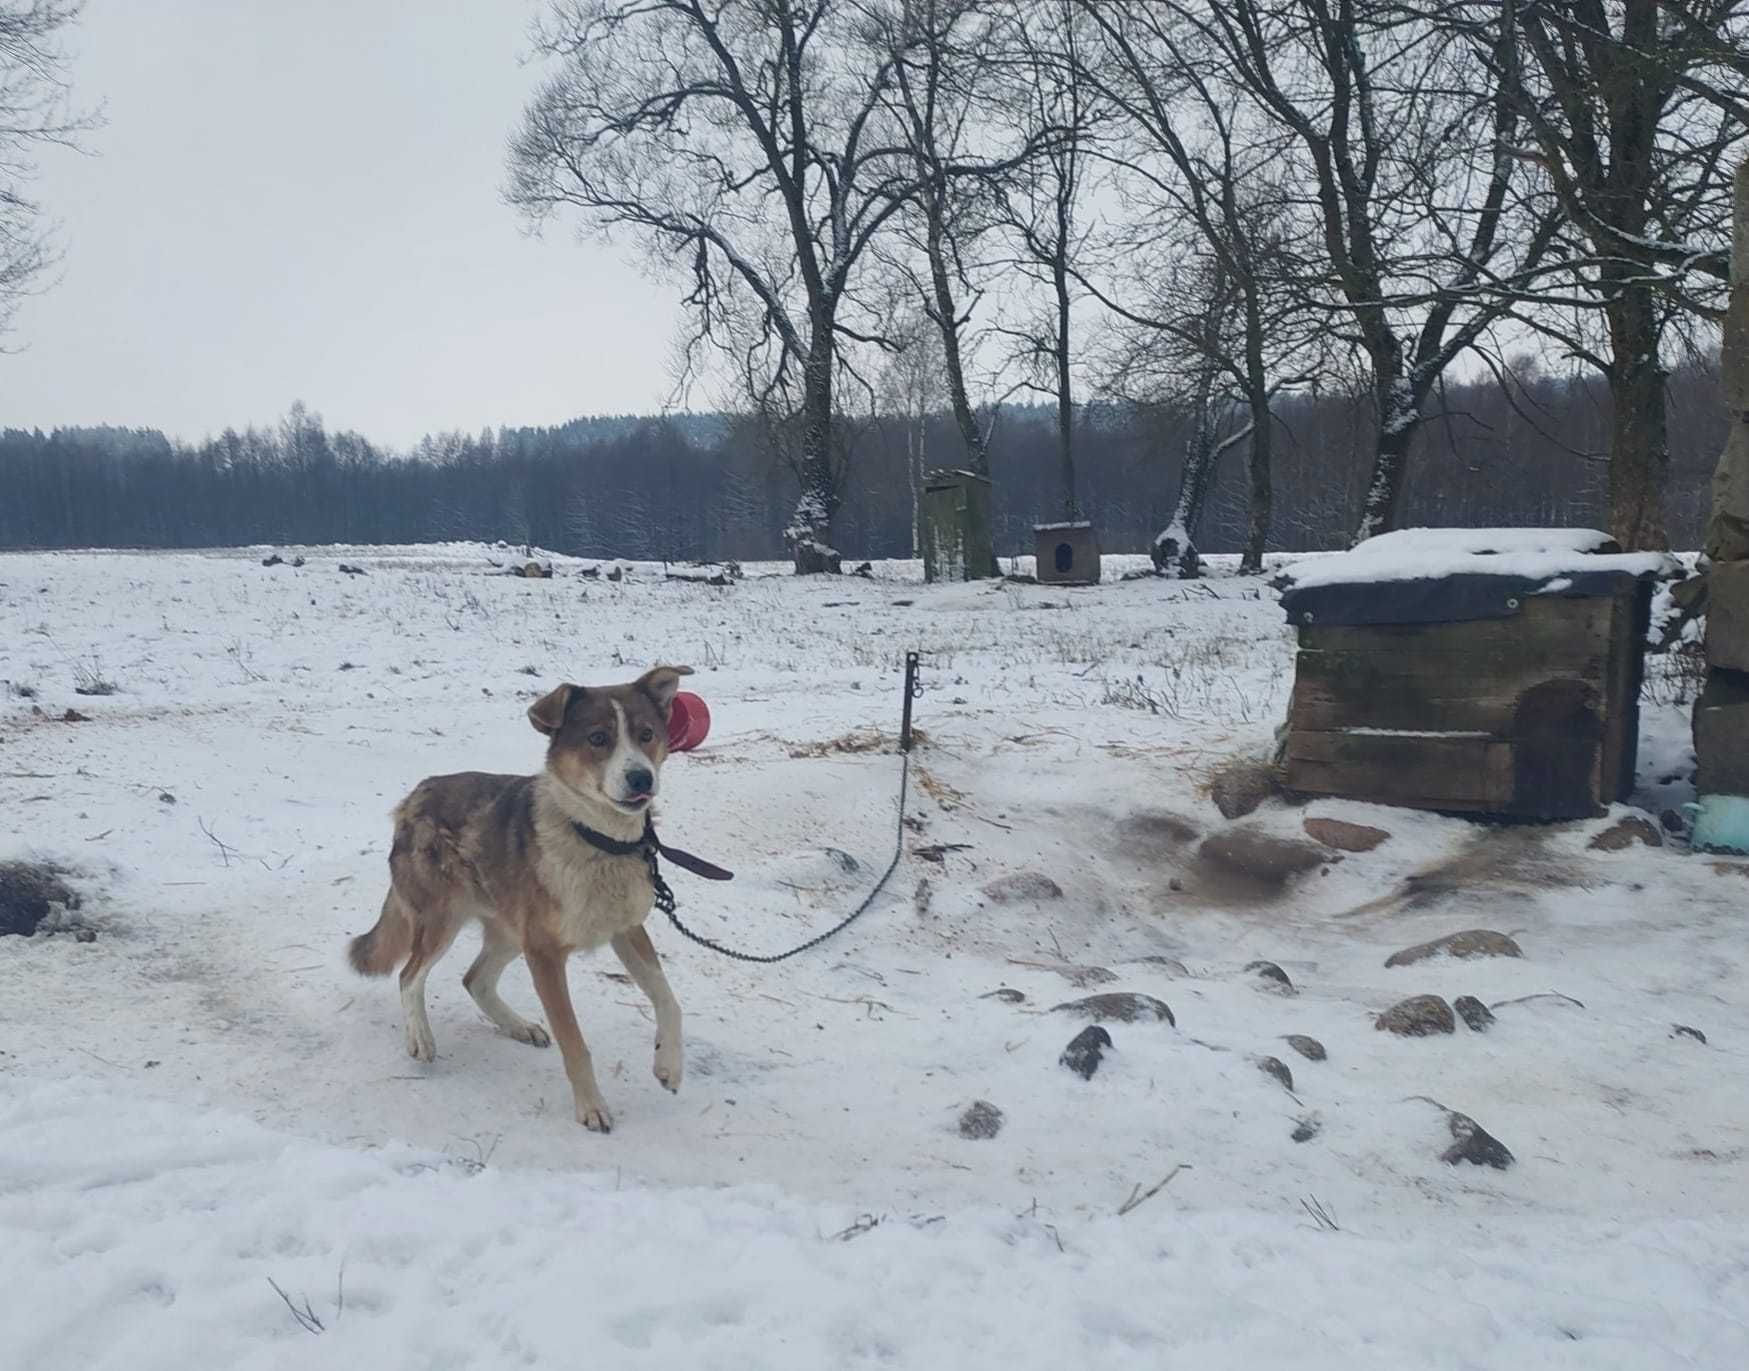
column 1068, row 554
column 1485, row 671
column 956, row 527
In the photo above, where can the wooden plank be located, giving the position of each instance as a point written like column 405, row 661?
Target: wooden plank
column 1427, row 772
column 1619, row 708
column 1435, row 706
column 1557, row 628
column 1442, row 693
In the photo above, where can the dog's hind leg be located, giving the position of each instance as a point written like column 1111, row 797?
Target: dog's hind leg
column 497, row 950
column 639, row 955
column 431, row 939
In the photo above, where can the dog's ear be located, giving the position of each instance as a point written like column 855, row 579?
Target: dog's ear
column 662, row 683
column 548, row 713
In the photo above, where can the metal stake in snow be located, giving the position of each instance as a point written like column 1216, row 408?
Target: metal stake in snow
column 913, row 688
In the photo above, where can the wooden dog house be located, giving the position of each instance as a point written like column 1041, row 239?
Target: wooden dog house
column 1068, row 553
column 1487, row 671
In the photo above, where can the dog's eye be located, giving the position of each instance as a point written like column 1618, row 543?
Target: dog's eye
column 646, row 735
column 598, row 738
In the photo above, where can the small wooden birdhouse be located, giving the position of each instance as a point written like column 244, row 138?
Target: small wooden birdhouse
column 1068, row 553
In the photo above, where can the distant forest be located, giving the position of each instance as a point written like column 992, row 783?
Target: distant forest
column 708, row 486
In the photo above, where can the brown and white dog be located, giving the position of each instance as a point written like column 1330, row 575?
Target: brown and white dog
column 506, row 850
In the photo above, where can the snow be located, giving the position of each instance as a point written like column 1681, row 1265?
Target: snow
column 205, row 1099
column 1413, row 554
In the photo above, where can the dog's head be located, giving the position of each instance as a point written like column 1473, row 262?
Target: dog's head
column 606, row 744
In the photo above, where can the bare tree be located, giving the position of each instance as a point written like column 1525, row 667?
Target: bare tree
column 940, row 75
column 35, row 111
column 744, row 141
column 913, row 389
column 1407, row 159
column 1635, row 111
column 1208, row 272
column 1043, row 202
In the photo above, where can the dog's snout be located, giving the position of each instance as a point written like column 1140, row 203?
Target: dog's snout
column 640, row 780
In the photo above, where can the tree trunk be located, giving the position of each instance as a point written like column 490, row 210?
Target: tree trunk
column 914, row 435
column 809, row 534
column 1262, row 492
column 947, row 320
column 1066, row 396
column 1399, row 415
column 1174, row 549
column 1639, row 451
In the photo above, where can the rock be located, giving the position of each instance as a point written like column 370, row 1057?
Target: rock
column 351, row 570
column 843, row 860
column 1007, row 994
column 1309, row 1048
column 981, row 1120
column 1082, row 1055
column 1305, row 1130
column 1473, row 1012
column 274, row 559
column 1276, row 1067
column 1419, row 1016
column 1344, row 836
column 1472, row 942
column 73, row 716
column 1169, row 964
column 1239, row 787
column 1682, row 1030
column 1624, row 833
column 1023, row 885
column 1119, row 1006
column 1272, row 977
column 1259, row 857
column 1674, row 823
column 1083, row 976
column 1474, row 1144
column 85, row 935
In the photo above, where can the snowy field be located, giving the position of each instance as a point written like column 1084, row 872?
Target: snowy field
column 203, row 1107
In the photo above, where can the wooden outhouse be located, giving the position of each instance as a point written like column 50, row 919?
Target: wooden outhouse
column 1068, row 553
column 957, row 545
column 1485, row 671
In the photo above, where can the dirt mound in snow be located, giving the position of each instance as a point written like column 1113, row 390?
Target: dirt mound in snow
column 28, row 890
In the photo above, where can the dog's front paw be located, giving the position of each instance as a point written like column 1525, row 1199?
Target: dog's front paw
column 669, row 1065
column 595, row 1117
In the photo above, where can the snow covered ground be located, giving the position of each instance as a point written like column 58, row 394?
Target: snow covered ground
column 204, row 1100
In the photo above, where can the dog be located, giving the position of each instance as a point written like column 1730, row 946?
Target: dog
column 513, row 852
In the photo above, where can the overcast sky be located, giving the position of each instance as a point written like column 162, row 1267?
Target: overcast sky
column 299, row 199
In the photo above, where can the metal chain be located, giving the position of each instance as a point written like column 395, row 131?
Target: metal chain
column 665, row 897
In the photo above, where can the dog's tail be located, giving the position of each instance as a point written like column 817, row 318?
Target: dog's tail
column 382, row 949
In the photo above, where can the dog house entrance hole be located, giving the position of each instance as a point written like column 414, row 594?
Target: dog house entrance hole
column 1065, row 559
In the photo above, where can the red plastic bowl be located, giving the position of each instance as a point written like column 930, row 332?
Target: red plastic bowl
column 688, row 722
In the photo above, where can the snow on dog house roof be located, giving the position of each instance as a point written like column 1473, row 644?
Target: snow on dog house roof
column 1448, row 575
